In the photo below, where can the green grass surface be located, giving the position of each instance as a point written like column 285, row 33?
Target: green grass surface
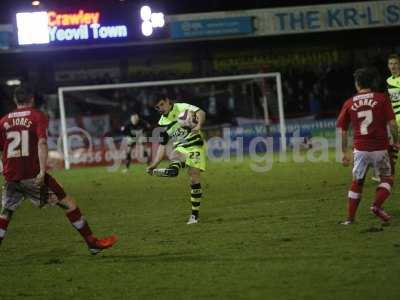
column 267, row 235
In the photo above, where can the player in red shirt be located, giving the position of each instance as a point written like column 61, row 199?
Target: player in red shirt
column 23, row 147
column 369, row 115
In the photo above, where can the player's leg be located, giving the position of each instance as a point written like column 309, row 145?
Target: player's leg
column 4, row 221
column 196, row 161
column 75, row 217
column 173, row 169
column 393, row 155
column 361, row 162
column 393, row 151
column 354, row 198
column 383, row 166
column 11, row 199
column 5, row 217
column 79, row 222
column 128, row 158
column 146, row 153
column 196, row 193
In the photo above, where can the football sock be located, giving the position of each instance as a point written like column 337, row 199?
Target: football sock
column 382, row 192
column 80, row 224
column 3, row 228
column 195, row 198
column 354, row 198
column 176, row 165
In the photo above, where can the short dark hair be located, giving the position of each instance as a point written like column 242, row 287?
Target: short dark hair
column 394, row 56
column 163, row 94
column 23, row 95
column 366, row 78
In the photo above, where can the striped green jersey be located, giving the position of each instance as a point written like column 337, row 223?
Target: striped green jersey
column 181, row 137
column 393, row 86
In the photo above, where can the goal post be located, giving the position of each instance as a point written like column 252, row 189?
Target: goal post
column 113, row 86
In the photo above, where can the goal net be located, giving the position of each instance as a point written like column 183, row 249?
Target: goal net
column 86, row 130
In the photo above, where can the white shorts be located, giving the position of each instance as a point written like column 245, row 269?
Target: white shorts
column 378, row 160
column 14, row 192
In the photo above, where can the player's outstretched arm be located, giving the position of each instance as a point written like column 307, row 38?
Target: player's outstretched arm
column 159, row 157
column 42, row 153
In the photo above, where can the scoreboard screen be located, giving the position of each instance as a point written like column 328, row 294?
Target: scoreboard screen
column 86, row 26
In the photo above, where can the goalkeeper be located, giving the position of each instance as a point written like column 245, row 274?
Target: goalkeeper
column 188, row 148
column 133, row 130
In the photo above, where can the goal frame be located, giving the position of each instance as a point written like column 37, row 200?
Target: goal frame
column 276, row 75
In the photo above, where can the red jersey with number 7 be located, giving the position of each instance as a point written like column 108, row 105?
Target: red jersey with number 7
column 369, row 115
column 20, row 132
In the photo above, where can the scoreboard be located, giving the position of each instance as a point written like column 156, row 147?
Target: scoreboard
column 83, row 26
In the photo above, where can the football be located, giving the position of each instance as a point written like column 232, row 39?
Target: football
column 187, row 119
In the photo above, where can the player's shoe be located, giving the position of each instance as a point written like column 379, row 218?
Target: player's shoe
column 100, row 244
column 376, row 178
column 381, row 214
column 192, row 220
column 125, row 170
column 165, row 172
column 347, row 222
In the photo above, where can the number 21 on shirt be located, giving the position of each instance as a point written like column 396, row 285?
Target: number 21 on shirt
column 19, row 145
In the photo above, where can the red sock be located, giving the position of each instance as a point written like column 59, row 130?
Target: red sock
column 80, row 224
column 353, row 200
column 3, row 228
column 352, row 205
column 382, row 193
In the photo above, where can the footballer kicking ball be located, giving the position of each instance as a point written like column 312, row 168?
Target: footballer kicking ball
column 187, row 119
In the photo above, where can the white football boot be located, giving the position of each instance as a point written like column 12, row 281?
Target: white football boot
column 192, row 220
column 346, row 223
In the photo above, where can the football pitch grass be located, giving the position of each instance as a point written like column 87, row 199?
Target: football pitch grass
column 267, row 235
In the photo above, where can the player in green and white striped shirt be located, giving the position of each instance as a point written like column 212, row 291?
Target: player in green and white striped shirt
column 393, row 84
column 393, row 88
column 188, row 144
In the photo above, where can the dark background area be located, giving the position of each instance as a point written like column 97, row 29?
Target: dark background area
column 8, row 7
column 327, row 78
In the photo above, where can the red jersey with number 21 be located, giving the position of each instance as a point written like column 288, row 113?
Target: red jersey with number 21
column 20, row 132
column 368, row 114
